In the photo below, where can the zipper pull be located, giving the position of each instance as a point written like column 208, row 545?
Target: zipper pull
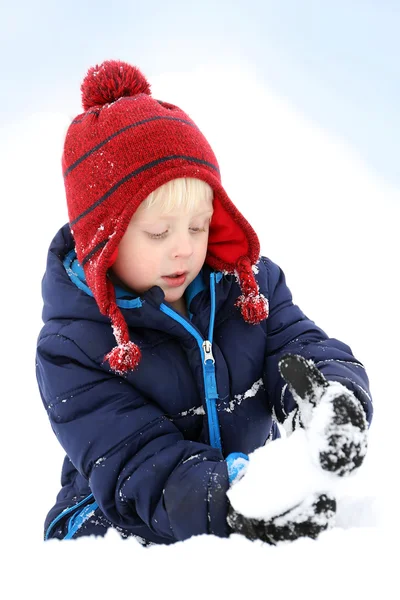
column 208, row 355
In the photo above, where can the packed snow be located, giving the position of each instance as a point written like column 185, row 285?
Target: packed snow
column 337, row 245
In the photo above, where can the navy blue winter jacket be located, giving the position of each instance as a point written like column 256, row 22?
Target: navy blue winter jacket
column 146, row 452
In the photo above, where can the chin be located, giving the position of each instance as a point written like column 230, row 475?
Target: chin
column 173, row 297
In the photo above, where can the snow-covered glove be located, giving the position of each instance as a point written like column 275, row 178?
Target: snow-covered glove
column 307, row 519
column 278, row 493
column 330, row 413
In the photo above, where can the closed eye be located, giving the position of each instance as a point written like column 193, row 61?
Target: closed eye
column 159, row 236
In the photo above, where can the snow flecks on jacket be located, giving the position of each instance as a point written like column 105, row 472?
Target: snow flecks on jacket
column 250, row 393
column 190, row 458
column 336, row 360
column 351, row 364
column 196, row 410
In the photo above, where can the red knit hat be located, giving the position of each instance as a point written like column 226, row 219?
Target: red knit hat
column 124, row 146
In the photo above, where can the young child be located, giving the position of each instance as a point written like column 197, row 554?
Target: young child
column 210, row 351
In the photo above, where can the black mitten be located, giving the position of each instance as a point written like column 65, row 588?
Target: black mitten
column 328, row 411
column 308, row 519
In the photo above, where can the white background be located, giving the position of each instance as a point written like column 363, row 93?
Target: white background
column 324, row 200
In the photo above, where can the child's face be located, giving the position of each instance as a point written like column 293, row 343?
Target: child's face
column 157, row 245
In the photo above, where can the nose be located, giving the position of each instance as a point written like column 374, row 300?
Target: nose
column 182, row 246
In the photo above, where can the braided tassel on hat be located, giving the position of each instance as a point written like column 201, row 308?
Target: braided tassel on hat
column 126, row 355
column 253, row 305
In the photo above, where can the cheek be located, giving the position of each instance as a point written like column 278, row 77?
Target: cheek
column 136, row 259
column 125, row 261
column 202, row 249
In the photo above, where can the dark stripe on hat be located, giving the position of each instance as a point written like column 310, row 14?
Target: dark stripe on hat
column 93, row 252
column 98, row 146
column 146, row 167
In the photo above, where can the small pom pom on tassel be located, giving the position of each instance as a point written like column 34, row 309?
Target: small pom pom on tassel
column 253, row 305
column 124, row 358
column 254, row 309
column 126, row 355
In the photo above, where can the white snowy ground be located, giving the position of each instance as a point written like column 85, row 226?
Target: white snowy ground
column 332, row 225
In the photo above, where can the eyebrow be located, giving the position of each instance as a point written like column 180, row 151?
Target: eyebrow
column 205, row 212
column 168, row 217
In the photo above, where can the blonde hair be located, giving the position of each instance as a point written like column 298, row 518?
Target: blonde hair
column 184, row 193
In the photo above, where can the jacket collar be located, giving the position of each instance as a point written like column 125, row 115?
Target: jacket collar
column 126, row 299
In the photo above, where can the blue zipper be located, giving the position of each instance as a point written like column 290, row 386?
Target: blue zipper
column 210, row 382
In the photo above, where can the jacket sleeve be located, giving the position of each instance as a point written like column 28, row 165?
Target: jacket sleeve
column 290, row 331
column 139, row 467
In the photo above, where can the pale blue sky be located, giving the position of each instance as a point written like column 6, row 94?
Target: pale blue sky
column 335, row 61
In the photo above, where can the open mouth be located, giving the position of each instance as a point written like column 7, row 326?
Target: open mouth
column 174, row 275
column 176, row 279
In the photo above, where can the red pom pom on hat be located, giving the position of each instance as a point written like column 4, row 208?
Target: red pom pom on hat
column 110, row 81
column 253, row 305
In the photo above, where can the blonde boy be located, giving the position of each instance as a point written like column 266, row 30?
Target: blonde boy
column 206, row 351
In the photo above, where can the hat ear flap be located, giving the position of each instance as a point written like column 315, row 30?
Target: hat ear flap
column 253, row 305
